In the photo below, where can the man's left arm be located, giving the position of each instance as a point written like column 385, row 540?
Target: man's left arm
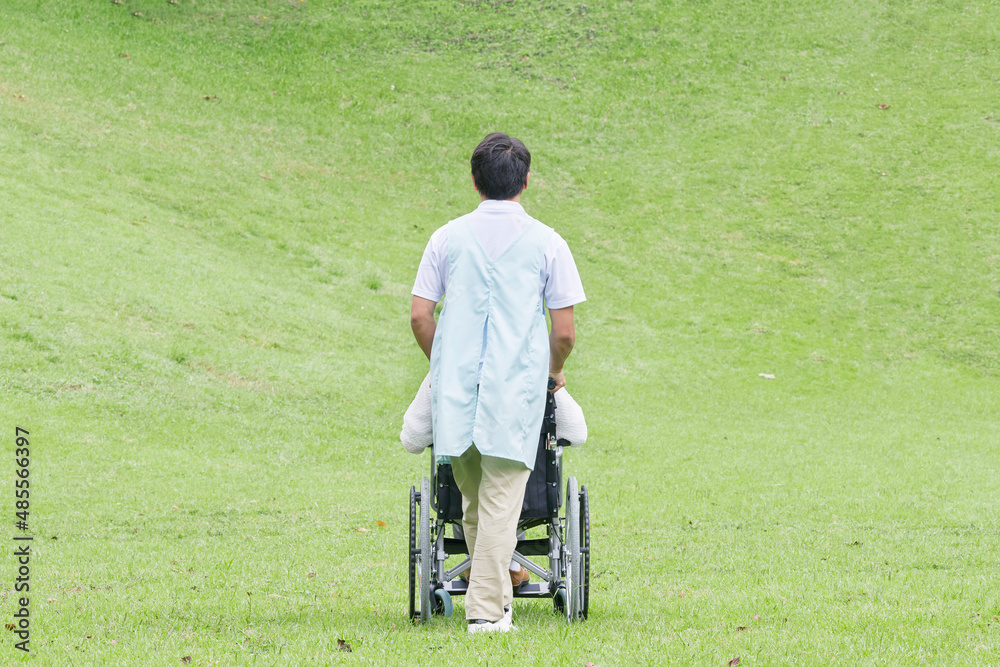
column 563, row 290
column 562, row 337
column 423, row 323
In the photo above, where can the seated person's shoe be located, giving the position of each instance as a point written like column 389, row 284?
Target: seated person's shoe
column 516, row 578
column 519, row 577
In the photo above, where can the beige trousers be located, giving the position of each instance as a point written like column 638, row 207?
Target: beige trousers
column 492, row 492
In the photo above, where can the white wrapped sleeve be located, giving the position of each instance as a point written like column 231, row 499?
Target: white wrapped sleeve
column 418, row 428
column 570, row 424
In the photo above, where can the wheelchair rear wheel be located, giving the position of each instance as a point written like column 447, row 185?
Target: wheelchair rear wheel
column 425, row 557
column 574, row 542
column 413, row 555
column 585, row 516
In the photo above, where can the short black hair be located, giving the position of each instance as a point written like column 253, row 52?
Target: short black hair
column 500, row 166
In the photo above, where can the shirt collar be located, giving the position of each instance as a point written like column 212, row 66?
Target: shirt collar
column 500, row 205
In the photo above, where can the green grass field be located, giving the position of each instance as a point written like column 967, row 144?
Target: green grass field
column 212, row 213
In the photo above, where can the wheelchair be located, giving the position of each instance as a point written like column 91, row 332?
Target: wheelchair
column 565, row 545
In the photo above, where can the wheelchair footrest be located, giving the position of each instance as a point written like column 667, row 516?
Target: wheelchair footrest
column 528, row 589
column 456, row 586
column 533, row 590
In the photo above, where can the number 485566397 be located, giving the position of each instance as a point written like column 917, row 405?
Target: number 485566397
column 22, row 458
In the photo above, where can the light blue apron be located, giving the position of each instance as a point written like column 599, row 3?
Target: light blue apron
column 496, row 304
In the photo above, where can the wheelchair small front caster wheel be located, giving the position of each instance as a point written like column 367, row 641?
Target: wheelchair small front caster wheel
column 442, row 603
column 559, row 601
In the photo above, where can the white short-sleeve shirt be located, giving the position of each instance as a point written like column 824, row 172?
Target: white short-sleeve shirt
column 496, row 224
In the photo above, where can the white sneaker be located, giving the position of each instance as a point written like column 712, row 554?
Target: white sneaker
column 505, row 624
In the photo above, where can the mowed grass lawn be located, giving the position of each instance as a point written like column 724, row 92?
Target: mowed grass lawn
column 212, row 212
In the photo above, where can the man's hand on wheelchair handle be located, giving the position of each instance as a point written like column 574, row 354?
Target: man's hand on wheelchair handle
column 558, row 378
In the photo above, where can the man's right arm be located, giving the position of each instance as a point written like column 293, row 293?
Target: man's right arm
column 422, row 322
column 431, row 282
column 562, row 337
